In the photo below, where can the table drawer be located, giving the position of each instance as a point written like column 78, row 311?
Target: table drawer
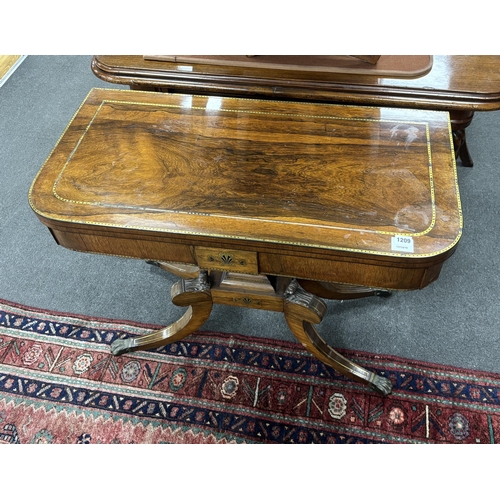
column 238, row 261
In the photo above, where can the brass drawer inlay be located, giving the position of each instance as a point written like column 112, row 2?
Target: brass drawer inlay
column 227, row 260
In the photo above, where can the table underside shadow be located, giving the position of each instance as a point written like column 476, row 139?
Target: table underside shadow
column 199, row 290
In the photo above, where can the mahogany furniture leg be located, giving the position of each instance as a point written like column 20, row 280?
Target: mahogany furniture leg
column 301, row 309
column 194, row 293
column 460, row 120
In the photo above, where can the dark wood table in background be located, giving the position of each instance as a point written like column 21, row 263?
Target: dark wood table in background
column 460, row 85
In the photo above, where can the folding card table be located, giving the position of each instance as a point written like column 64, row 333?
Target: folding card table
column 254, row 203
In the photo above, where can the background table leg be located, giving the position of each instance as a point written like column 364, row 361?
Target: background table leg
column 460, row 120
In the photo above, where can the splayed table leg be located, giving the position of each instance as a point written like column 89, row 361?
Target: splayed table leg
column 194, row 293
column 303, row 309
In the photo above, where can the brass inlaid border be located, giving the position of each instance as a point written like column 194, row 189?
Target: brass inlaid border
column 264, row 240
column 272, row 221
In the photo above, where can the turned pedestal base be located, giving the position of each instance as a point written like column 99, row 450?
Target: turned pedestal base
column 301, row 308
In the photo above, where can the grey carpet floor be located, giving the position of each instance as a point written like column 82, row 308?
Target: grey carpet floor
column 454, row 321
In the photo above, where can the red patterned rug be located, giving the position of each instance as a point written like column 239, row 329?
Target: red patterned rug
column 60, row 384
